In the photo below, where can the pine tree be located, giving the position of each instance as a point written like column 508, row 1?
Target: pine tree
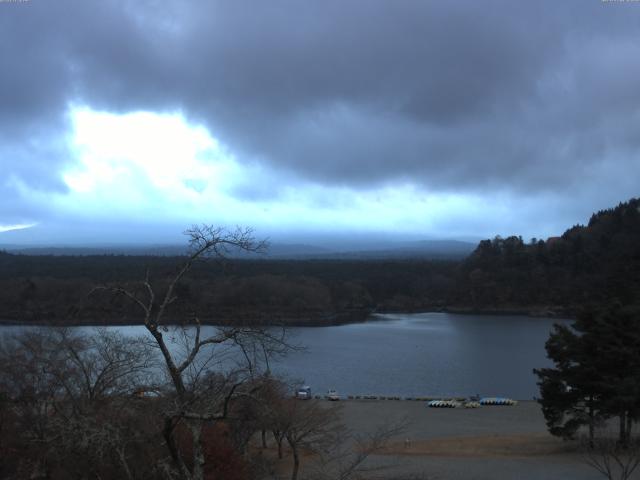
column 596, row 374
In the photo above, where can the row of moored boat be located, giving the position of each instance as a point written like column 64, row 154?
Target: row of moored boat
column 471, row 404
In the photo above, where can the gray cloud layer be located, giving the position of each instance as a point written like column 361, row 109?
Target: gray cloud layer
column 528, row 97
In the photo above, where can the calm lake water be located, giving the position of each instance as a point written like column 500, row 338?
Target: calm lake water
column 428, row 354
column 424, row 354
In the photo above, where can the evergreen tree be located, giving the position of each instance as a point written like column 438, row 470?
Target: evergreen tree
column 596, row 374
column 570, row 392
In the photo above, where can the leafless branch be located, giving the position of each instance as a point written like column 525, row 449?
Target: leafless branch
column 611, row 459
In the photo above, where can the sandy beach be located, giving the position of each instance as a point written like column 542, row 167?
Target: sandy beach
column 490, row 442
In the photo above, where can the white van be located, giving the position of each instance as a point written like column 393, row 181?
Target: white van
column 304, row 393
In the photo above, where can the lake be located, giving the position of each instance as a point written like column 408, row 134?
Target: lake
column 427, row 354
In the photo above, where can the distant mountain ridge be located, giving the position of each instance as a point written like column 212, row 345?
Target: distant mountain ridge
column 452, row 249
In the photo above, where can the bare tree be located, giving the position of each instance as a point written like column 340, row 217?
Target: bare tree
column 70, row 395
column 347, row 459
column 315, row 427
column 612, row 459
column 273, row 415
column 309, row 426
column 195, row 400
column 351, row 461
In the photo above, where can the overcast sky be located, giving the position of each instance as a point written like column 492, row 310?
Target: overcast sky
column 129, row 121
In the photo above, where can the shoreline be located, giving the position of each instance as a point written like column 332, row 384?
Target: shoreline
column 331, row 320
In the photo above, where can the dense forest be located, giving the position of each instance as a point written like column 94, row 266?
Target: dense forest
column 545, row 277
column 596, row 263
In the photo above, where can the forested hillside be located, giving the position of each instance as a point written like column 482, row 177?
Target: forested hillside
column 55, row 289
column 596, row 263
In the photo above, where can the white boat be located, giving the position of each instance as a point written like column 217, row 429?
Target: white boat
column 497, row 401
column 443, row 404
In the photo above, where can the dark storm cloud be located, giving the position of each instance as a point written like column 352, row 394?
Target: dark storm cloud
column 453, row 96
